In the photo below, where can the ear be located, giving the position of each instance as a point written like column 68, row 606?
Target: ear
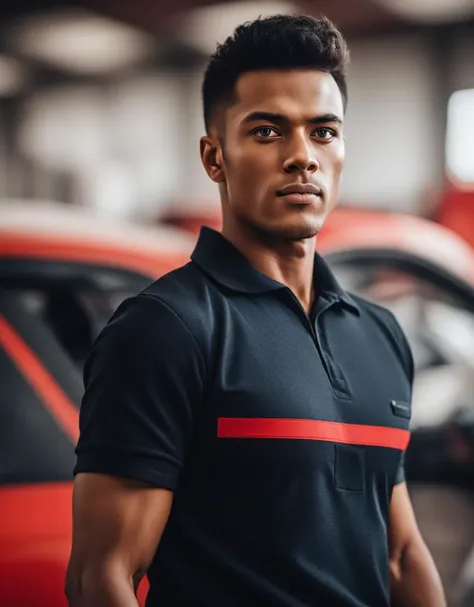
column 212, row 158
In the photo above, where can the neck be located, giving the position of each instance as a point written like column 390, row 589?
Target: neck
column 286, row 261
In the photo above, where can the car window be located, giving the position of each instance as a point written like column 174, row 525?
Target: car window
column 34, row 446
column 75, row 314
column 74, row 301
column 48, row 322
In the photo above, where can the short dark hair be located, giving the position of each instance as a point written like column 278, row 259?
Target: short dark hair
column 277, row 42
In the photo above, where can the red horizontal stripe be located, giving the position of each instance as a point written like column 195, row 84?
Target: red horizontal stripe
column 308, row 429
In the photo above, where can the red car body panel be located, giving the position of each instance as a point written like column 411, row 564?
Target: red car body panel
column 39, row 247
column 34, row 544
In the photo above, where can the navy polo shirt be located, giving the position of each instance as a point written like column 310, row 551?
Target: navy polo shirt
column 281, row 434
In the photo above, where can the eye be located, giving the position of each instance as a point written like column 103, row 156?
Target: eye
column 325, row 133
column 265, row 132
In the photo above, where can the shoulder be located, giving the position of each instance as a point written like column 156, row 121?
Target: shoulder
column 184, row 281
column 175, row 308
column 192, row 297
column 385, row 321
column 146, row 331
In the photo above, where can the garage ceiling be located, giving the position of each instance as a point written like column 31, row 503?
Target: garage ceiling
column 354, row 17
column 166, row 24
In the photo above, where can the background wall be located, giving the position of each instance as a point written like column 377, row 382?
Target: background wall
column 392, row 139
column 129, row 143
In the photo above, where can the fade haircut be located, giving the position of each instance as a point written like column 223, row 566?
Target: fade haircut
column 274, row 43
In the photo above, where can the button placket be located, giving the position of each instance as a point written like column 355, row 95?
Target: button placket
column 334, row 372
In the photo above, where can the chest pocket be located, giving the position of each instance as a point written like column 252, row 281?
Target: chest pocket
column 349, row 468
column 356, row 465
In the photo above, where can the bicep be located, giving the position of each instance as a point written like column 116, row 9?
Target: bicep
column 117, row 523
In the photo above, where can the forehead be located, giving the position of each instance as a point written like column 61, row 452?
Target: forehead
column 290, row 92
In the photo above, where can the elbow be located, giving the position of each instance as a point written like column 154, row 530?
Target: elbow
column 103, row 584
column 81, row 587
column 73, row 587
column 398, row 562
column 396, row 567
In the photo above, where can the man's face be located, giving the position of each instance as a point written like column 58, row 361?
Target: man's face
column 282, row 151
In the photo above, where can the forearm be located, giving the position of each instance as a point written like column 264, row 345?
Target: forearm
column 415, row 582
column 94, row 588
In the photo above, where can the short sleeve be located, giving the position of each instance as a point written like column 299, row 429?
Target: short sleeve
column 400, row 473
column 409, row 365
column 143, row 384
column 403, row 348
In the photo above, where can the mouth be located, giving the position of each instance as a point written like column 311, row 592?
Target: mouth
column 300, row 193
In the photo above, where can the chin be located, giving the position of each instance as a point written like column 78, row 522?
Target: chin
column 290, row 233
column 302, row 225
column 302, row 230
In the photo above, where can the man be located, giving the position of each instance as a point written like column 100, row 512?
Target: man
column 244, row 420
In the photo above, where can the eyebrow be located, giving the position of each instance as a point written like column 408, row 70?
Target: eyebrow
column 280, row 118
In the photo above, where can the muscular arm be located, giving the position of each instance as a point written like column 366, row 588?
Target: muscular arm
column 143, row 382
column 414, row 579
column 117, row 525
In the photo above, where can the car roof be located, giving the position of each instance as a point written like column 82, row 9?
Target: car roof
column 54, row 220
column 51, row 230
column 348, row 229
column 58, row 231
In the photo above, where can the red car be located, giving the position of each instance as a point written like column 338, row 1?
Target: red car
column 64, row 271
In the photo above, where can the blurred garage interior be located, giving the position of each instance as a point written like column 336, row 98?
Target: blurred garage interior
column 102, row 191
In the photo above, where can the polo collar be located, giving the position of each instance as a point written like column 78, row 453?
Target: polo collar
column 218, row 258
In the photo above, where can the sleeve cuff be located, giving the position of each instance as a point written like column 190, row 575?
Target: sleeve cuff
column 136, row 468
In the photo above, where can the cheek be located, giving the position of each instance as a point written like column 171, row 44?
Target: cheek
column 333, row 166
column 251, row 169
column 338, row 156
column 336, row 164
column 244, row 178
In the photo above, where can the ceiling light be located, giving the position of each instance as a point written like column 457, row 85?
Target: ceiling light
column 81, row 42
column 204, row 28
column 431, row 11
column 12, row 76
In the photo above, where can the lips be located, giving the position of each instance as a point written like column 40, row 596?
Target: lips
column 300, row 188
column 300, row 193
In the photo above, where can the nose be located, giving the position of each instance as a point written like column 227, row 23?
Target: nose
column 302, row 157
